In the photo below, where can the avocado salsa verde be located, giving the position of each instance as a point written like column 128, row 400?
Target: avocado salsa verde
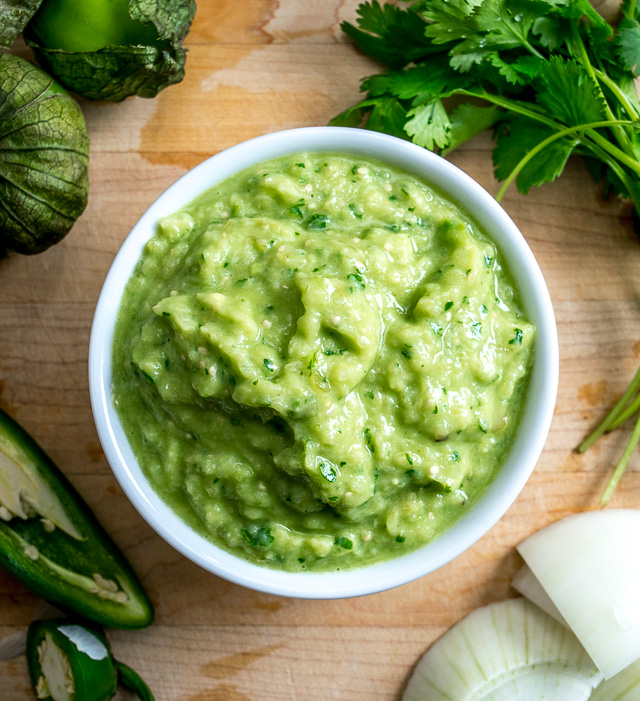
column 320, row 362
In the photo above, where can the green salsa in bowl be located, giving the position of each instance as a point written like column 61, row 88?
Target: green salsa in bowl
column 322, row 361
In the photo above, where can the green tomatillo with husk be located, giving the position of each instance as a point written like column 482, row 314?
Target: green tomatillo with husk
column 104, row 49
column 44, row 158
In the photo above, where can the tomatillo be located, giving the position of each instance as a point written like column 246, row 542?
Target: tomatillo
column 75, row 25
column 111, row 49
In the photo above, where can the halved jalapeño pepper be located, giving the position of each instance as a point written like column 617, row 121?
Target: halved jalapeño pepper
column 69, row 661
column 52, row 542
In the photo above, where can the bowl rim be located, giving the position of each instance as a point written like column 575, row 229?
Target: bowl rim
column 536, row 415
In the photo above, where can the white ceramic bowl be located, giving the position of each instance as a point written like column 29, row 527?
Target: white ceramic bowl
column 534, row 424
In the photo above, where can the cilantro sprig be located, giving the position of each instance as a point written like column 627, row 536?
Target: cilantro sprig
column 551, row 77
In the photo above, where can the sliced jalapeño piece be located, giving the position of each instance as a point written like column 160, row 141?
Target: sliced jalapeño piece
column 72, row 661
column 52, row 542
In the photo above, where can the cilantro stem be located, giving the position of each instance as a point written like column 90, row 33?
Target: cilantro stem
column 621, row 135
column 633, row 191
column 622, row 465
column 605, row 145
column 620, row 96
column 532, row 49
column 631, row 162
column 549, row 140
column 505, row 103
column 514, row 106
column 607, row 423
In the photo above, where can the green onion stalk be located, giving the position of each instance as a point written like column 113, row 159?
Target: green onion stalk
column 627, row 406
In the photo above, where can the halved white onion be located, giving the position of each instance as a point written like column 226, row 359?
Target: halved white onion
column 625, row 686
column 525, row 583
column 589, row 567
column 13, row 645
column 502, row 652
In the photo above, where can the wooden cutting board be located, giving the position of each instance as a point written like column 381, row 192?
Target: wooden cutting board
column 258, row 66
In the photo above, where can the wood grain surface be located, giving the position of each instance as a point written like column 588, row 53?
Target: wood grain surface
column 254, row 67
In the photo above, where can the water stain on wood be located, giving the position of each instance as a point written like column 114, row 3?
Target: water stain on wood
column 252, row 91
column 184, row 159
column 271, row 606
column 233, row 664
column 574, row 462
column 223, row 692
column 232, row 22
column 95, row 452
column 206, row 123
column 4, row 404
column 13, row 668
column 294, row 21
column 593, row 393
column 184, row 140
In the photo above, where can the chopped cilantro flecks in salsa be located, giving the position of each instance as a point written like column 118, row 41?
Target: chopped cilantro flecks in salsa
column 314, row 356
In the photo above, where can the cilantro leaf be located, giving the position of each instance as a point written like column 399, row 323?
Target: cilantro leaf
column 389, row 116
column 353, row 116
column 257, row 536
column 528, row 66
column 448, row 18
column 467, row 121
column 598, row 29
column 509, row 71
column 628, row 45
column 327, row 470
column 383, row 113
column 552, row 31
column 388, row 33
column 464, row 59
column 570, row 93
column 515, row 138
column 428, row 125
column 498, row 25
column 432, row 79
column 506, row 24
